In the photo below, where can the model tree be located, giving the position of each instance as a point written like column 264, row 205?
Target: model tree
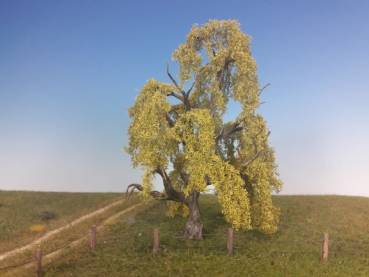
column 178, row 132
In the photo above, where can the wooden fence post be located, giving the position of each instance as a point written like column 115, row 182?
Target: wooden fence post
column 39, row 261
column 325, row 247
column 230, row 242
column 156, row 241
column 93, row 237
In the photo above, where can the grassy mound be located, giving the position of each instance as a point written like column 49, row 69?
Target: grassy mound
column 125, row 250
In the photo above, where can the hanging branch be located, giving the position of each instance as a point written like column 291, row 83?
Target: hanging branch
column 258, row 152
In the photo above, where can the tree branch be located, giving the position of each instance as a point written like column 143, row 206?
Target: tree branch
column 155, row 194
column 173, row 80
column 175, row 95
column 170, row 121
column 184, row 97
column 258, row 152
column 174, row 108
column 247, row 163
column 223, row 77
column 184, row 176
column 233, row 129
column 133, row 187
column 263, row 88
column 169, row 189
column 208, row 181
column 190, row 89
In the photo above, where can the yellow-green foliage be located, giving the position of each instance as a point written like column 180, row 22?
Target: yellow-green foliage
column 175, row 208
column 196, row 129
column 147, row 182
column 149, row 142
column 191, row 141
column 231, row 194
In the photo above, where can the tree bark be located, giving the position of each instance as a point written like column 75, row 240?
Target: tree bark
column 193, row 228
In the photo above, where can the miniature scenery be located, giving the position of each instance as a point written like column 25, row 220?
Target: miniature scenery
column 163, row 147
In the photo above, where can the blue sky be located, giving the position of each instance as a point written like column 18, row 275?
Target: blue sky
column 69, row 70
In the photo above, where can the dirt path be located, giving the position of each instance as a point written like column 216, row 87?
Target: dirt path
column 54, row 232
column 53, row 255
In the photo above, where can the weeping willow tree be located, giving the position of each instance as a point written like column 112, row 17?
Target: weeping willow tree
column 178, row 132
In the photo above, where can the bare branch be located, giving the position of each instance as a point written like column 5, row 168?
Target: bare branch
column 263, row 88
column 184, row 97
column 184, row 176
column 233, row 129
column 224, row 74
column 175, row 95
column 172, row 194
column 174, row 108
column 190, row 89
column 173, row 80
column 131, row 188
column 220, row 135
column 170, row 121
column 208, row 181
column 247, row 163
column 155, row 194
column 158, row 195
column 258, row 152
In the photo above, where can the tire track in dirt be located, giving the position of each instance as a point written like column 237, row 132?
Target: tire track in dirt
column 56, row 231
column 52, row 255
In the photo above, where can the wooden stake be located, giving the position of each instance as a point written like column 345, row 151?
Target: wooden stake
column 230, row 242
column 325, row 247
column 93, row 237
column 156, row 241
column 39, row 261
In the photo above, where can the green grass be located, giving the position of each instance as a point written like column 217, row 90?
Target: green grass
column 19, row 210
column 125, row 250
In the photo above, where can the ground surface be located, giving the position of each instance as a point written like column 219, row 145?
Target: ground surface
column 20, row 212
column 125, row 249
column 74, row 232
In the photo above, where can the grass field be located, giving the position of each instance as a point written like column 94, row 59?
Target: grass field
column 21, row 213
column 125, row 250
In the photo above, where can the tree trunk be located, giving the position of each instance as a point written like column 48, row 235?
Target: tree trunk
column 193, row 228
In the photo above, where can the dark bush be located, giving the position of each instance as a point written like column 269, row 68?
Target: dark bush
column 47, row 215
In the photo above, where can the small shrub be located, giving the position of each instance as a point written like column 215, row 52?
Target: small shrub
column 47, row 215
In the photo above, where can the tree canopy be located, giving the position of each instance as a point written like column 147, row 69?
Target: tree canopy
column 178, row 132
